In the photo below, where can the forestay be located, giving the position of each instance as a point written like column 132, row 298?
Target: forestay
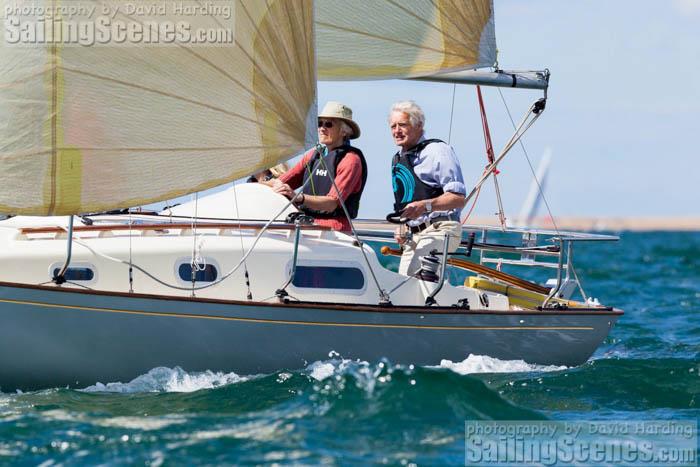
column 90, row 128
column 378, row 39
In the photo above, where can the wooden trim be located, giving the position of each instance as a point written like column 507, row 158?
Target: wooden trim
column 166, row 226
column 486, row 271
column 444, row 310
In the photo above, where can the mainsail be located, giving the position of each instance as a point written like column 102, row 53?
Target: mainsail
column 90, row 128
column 380, row 39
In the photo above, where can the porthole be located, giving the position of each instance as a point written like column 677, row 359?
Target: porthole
column 76, row 274
column 205, row 273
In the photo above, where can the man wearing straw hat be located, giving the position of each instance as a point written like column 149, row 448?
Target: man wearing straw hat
column 344, row 163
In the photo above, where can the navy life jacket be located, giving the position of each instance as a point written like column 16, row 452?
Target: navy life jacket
column 406, row 184
column 321, row 184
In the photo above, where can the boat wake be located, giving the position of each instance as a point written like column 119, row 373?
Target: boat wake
column 485, row 364
column 162, row 379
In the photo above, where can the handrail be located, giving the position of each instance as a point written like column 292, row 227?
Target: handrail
column 484, row 270
column 166, row 226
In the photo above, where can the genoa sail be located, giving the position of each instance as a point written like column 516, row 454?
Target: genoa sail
column 381, row 39
column 86, row 129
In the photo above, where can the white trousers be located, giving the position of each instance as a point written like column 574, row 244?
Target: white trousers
column 423, row 243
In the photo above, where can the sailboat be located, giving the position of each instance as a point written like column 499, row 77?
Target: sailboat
column 238, row 281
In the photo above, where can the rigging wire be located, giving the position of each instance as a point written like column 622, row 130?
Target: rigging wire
column 541, row 192
column 530, row 117
column 529, row 163
column 193, row 263
column 452, row 112
column 249, row 294
column 131, row 269
column 490, row 156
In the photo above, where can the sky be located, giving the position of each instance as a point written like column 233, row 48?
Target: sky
column 621, row 118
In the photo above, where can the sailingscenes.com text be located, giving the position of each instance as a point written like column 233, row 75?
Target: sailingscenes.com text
column 120, row 23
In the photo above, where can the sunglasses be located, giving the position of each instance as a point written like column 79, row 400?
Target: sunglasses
column 325, row 124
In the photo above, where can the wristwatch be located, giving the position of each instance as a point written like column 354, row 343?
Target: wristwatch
column 429, row 206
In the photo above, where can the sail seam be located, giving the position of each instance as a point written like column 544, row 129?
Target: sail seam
column 258, row 98
column 175, row 96
column 386, row 39
column 428, row 23
column 276, row 67
column 457, row 24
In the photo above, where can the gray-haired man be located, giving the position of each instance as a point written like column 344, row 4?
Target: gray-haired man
column 428, row 187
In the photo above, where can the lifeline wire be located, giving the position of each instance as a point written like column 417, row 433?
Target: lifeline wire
column 211, row 284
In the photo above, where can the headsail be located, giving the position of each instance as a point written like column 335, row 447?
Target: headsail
column 89, row 128
column 379, row 39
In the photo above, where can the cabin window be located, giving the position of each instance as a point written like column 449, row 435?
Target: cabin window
column 208, row 273
column 76, row 274
column 329, row 277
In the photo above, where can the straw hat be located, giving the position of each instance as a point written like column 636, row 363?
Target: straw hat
column 279, row 169
column 343, row 112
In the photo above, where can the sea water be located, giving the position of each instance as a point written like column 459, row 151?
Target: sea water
column 339, row 411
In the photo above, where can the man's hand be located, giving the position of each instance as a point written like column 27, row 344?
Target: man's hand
column 282, row 189
column 414, row 210
column 399, row 236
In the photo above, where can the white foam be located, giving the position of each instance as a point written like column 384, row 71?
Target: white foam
column 485, row 364
column 164, row 379
column 321, row 370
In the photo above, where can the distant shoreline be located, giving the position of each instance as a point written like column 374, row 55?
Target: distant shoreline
column 590, row 224
column 635, row 224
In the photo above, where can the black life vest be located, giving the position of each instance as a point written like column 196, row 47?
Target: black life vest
column 406, row 184
column 321, row 184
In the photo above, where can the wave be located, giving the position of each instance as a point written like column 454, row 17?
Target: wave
column 163, row 379
column 617, row 384
column 176, row 380
column 474, row 364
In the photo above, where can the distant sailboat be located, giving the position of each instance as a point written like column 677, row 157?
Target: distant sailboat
column 528, row 211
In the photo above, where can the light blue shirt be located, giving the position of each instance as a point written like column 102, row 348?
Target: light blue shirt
column 437, row 165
